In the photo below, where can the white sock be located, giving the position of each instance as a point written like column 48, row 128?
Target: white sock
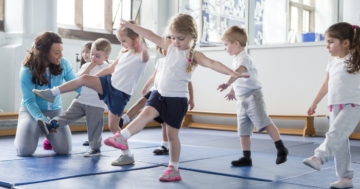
column 174, row 164
column 126, row 133
column 55, row 91
column 125, row 118
column 126, row 152
column 165, row 143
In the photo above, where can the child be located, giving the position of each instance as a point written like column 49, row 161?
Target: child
column 85, row 53
column 88, row 103
column 114, row 84
column 85, row 57
column 251, row 109
column 163, row 149
column 169, row 102
column 343, row 88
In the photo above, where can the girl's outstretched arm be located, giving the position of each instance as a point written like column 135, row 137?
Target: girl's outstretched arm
column 322, row 92
column 144, row 54
column 147, row 34
column 201, row 59
column 149, row 82
column 108, row 70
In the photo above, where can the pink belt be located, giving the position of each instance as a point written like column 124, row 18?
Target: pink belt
column 341, row 106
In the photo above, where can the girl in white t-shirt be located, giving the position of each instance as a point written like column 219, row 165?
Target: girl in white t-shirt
column 169, row 102
column 114, row 84
column 342, row 84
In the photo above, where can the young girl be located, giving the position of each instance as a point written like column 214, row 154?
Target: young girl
column 85, row 53
column 85, row 57
column 88, row 103
column 169, row 102
column 134, row 110
column 114, row 84
column 342, row 83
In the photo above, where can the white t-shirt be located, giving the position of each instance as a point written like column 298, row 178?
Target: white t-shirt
column 174, row 77
column 343, row 87
column 158, row 67
column 127, row 72
column 89, row 96
column 243, row 86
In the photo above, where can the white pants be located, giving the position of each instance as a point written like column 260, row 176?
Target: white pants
column 343, row 120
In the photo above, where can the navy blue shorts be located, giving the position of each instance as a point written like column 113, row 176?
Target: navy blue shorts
column 147, row 96
column 172, row 110
column 115, row 100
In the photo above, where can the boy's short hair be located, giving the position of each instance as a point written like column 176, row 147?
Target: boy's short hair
column 102, row 44
column 235, row 33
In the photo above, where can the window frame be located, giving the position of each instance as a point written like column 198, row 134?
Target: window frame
column 78, row 31
column 301, row 8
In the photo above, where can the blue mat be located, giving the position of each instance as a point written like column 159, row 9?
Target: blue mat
column 322, row 178
column 264, row 167
column 188, row 153
column 33, row 170
column 148, row 178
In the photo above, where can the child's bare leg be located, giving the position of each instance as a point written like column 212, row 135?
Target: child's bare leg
column 174, row 145
column 273, row 132
column 148, row 114
column 92, row 82
column 282, row 151
column 164, row 134
column 245, row 143
column 132, row 111
column 113, row 121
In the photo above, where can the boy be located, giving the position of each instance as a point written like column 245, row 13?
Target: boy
column 251, row 109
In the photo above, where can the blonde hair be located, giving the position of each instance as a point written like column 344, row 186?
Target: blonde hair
column 235, row 33
column 160, row 50
column 185, row 24
column 132, row 35
column 102, row 44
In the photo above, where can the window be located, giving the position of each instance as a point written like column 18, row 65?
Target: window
column 214, row 17
column 92, row 19
column 2, row 8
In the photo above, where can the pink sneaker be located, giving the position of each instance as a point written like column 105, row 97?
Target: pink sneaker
column 117, row 141
column 170, row 175
column 47, row 145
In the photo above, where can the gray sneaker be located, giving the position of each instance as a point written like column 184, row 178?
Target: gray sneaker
column 123, row 160
column 45, row 94
column 92, row 152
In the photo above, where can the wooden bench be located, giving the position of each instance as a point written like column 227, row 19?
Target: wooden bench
column 74, row 128
column 308, row 130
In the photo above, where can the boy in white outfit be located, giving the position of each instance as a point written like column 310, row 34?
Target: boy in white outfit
column 251, row 110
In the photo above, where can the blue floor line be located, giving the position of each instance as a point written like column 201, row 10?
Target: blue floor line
column 6, row 184
column 81, row 175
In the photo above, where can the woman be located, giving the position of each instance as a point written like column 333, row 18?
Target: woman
column 42, row 68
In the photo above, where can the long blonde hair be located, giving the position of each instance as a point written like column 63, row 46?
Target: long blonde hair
column 185, row 24
column 132, row 35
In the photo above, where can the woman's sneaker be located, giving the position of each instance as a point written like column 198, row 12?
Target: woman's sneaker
column 117, row 141
column 47, row 127
column 93, row 152
column 45, row 94
column 342, row 183
column 123, row 160
column 170, row 175
column 161, row 151
column 47, row 145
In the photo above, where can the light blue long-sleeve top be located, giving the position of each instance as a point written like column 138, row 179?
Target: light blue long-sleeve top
column 35, row 104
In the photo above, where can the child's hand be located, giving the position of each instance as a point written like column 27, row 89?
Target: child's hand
column 311, row 110
column 191, row 104
column 53, row 130
column 223, row 87
column 230, row 96
column 124, row 23
column 144, row 90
